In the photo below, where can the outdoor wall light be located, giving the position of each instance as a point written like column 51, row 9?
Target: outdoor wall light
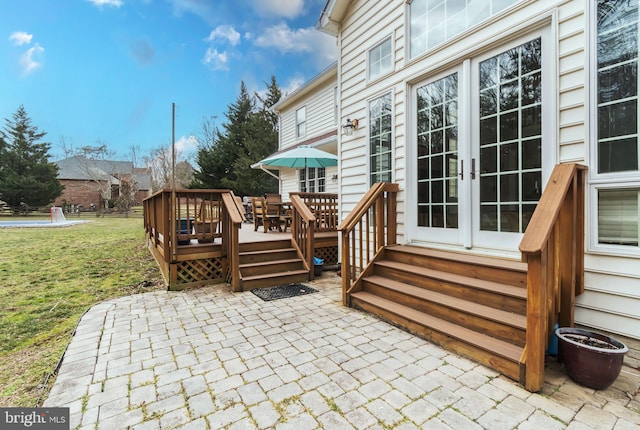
column 334, row 179
column 349, row 126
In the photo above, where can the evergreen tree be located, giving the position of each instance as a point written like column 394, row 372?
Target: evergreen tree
column 27, row 178
column 225, row 159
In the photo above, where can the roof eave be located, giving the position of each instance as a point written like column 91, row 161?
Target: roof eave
column 331, row 16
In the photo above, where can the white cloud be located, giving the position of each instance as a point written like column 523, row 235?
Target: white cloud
column 293, row 84
column 226, row 32
column 279, row 8
column 286, row 39
column 20, row 38
column 100, row 3
column 29, row 60
column 186, row 145
column 216, row 60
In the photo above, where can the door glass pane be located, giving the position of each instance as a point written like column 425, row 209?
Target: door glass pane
column 510, row 137
column 437, row 131
column 617, row 80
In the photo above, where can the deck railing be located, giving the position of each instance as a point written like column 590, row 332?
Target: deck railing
column 312, row 213
column 186, row 223
column 553, row 248
column 368, row 228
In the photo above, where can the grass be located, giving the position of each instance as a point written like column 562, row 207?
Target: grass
column 50, row 277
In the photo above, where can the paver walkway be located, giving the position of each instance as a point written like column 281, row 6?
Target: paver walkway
column 211, row 359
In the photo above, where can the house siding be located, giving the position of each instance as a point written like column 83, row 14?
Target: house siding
column 321, row 123
column 612, row 298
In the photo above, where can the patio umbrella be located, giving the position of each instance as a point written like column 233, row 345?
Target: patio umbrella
column 301, row 157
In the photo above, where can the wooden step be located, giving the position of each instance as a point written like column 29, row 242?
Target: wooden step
column 272, row 279
column 501, row 296
column 267, row 255
column 497, row 354
column 265, row 245
column 265, row 267
column 507, row 326
column 501, row 270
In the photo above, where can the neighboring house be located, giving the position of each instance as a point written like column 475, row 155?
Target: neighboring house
column 469, row 105
column 90, row 183
column 309, row 116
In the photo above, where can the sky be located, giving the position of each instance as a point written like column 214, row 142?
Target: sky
column 92, row 72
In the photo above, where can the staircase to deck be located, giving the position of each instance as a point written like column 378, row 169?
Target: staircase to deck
column 474, row 306
column 270, row 263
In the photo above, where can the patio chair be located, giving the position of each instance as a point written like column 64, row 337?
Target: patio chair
column 208, row 221
column 275, row 198
column 257, row 206
column 285, row 219
column 261, row 215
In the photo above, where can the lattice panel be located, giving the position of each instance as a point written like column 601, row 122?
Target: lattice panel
column 199, row 270
column 328, row 254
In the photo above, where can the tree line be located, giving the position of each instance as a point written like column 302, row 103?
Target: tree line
column 223, row 161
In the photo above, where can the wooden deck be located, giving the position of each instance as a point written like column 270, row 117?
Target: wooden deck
column 211, row 243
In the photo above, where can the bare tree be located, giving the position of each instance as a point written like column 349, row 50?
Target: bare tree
column 134, row 153
column 160, row 163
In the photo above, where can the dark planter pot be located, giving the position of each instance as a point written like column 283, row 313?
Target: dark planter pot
column 591, row 359
column 184, row 227
column 317, row 270
column 204, row 229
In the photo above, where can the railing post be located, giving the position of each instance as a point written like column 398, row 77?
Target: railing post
column 536, row 320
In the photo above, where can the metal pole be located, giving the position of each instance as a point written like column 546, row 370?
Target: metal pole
column 172, row 217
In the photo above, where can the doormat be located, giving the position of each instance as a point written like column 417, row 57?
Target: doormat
column 283, row 291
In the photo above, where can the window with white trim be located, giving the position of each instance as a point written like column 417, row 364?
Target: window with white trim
column 616, row 171
column 312, row 180
column 380, row 59
column 301, row 122
column 380, row 139
column 433, row 22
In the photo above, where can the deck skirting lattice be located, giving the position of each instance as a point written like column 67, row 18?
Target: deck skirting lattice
column 329, row 254
column 199, row 271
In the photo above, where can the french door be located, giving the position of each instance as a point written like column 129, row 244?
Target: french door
column 481, row 143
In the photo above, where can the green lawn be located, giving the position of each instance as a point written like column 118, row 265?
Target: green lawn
column 49, row 278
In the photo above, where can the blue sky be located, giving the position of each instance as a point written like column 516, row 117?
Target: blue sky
column 107, row 71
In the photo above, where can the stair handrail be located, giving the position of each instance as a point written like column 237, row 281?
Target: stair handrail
column 553, row 248
column 372, row 217
column 231, row 224
column 303, row 223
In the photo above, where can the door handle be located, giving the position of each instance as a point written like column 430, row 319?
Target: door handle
column 461, row 170
column 473, row 168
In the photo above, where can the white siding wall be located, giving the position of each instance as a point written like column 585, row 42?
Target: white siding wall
column 612, row 299
column 319, row 107
column 319, row 103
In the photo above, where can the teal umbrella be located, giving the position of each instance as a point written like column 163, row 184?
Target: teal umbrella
column 301, row 157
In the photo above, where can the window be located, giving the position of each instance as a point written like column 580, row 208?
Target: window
column 312, row 180
column 301, row 122
column 617, row 173
column 380, row 61
column 380, row 139
column 435, row 21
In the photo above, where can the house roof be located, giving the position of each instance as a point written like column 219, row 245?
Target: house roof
column 328, row 74
column 81, row 168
